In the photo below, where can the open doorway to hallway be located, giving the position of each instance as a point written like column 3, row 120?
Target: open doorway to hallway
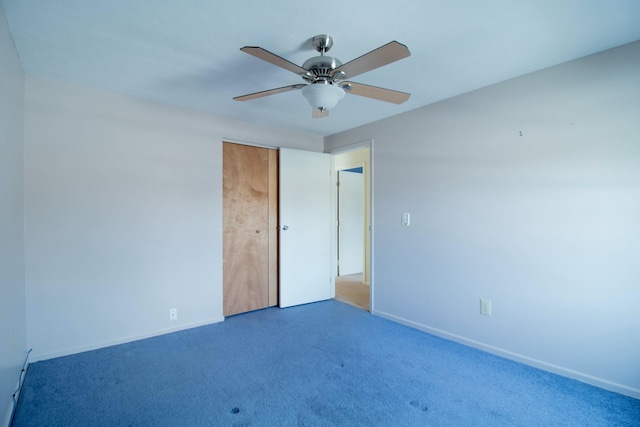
column 352, row 283
column 350, row 289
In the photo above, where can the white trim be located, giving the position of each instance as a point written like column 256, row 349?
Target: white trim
column 351, row 147
column 9, row 415
column 549, row 367
column 371, row 227
column 38, row 357
column 251, row 144
column 18, row 389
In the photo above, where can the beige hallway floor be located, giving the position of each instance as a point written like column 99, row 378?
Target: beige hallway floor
column 351, row 290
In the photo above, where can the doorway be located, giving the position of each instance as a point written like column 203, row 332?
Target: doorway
column 353, row 231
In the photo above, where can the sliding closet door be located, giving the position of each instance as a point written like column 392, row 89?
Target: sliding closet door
column 249, row 228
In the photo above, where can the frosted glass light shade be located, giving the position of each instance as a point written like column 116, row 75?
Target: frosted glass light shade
column 323, row 96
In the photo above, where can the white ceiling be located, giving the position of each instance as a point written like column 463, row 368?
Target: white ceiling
column 186, row 52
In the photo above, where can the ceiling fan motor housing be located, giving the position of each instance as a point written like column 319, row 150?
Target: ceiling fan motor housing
column 320, row 68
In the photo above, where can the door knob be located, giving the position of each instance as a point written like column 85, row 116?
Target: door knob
column 285, row 227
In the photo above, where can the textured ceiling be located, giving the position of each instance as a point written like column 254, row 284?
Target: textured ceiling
column 186, row 53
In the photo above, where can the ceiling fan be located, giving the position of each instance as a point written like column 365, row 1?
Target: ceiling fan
column 325, row 75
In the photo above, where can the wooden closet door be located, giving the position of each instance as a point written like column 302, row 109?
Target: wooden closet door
column 248, row 241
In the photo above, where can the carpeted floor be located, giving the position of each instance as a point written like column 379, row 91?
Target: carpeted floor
column 322, row 364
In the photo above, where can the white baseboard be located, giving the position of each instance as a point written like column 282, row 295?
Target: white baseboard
column 570, row 373
column 35, row 357
column 9, row 414
column 18, row 389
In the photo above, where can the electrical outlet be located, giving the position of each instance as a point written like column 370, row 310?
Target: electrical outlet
column 485, row 307
column 405, row 219
column 173, row 314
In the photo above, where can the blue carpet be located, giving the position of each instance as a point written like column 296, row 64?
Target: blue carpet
column 322, row 364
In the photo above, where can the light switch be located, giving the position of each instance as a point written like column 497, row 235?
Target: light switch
column 405, row 219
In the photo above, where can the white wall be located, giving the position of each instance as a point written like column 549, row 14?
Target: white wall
column 13, row 335
column 351, row 223
column 545, row 225
column 123, row 208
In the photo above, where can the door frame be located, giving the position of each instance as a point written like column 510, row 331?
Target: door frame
column 370, row 229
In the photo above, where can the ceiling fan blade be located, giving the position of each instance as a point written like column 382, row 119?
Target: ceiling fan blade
column 268, row 92
column 375, row 92
column 316, row 113
column 390, row 52
column 265, row 55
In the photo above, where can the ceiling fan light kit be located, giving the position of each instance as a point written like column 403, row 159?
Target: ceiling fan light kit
column 325, row 74
column 323, row 96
